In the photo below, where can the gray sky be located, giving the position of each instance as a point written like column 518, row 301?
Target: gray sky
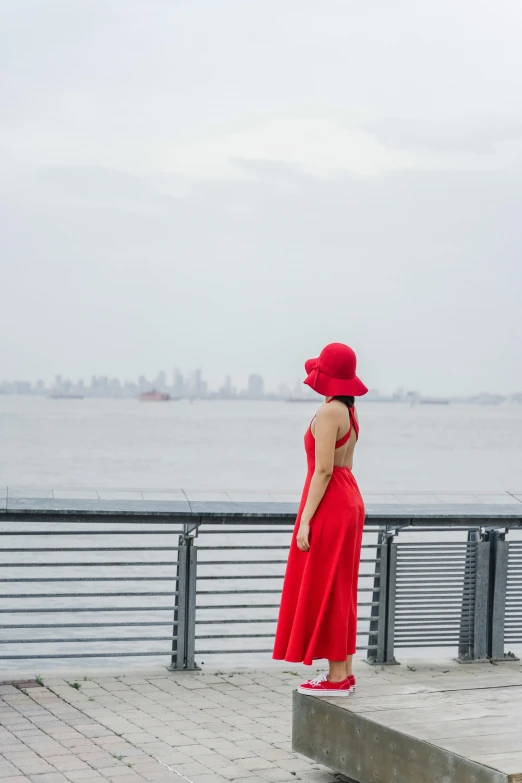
column 234, row 183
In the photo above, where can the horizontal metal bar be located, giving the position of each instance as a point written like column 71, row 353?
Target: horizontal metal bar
column 432, row 642
column 265, row 650
column 413, row 604
column 91, row 639
column 432, row 600
column 237, row 636
column 87, row 517
column 430, row 566
column 233, row 652
column 227, row 577
column 249, row 621
column 286, row 530
column 285, row 520
column 238, row 606
column 260, row 591
column 244, row 547
column 434, row 612
column 428, row 634
column 90, row 625
column 431, row 608
column 448, row 643
column 9, row 550
column 422, row 556
column 257, row 562
column 133, row 578
column 405, row 622
column 411, row 545
column 166, row 608
column 429, row 576
column 412, row 528
column 96, row 609
column 256, row 606
column 455, row 567
column 112, row 563
column 236, row 515
column 260, row 520
column 230, row 621
column 85, row 595
column 422, row 590
column 177, row 531
column 436, row 565
column 167, row 653
column 239, row 562
column 255, row 546
column 233, row 592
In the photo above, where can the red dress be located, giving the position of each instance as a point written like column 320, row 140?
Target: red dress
column 318, row 612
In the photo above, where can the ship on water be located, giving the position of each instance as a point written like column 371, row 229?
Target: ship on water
column 154, row 396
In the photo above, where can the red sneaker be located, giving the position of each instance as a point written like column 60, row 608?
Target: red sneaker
column 353, row 684
column 322, row 686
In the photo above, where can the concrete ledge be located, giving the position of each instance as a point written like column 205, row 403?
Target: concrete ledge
column 420, row 727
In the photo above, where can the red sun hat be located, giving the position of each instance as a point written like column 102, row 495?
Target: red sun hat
column 333, row 372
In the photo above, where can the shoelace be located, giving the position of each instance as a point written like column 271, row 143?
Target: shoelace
column 318, row 680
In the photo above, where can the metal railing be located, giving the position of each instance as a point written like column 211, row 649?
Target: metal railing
column 94, row 579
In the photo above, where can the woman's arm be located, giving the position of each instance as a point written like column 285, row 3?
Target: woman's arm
column 326, row 426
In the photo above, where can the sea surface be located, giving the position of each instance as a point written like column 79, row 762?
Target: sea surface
column 220, row 446
column 212, row 449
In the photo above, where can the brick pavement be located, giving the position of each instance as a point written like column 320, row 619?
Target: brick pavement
column 154, row 727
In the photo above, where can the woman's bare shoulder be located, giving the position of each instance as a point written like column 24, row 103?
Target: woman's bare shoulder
column 328, row 412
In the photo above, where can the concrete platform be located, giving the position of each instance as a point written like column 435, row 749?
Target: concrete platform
column 419, row 723
column 149, row 725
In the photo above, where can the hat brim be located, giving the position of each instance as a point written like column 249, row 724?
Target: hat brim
column 332, row 387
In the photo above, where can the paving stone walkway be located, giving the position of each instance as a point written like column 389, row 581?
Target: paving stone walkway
column 154, row 727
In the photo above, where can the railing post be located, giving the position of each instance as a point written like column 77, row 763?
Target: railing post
column 184, row 628
column 473, row 636
column 177, row 660
column 497, row 595
column 391, row 601
column 190, row 627
column 375, row 619
column 467, row 611
column 479, row 648
column 377, row 635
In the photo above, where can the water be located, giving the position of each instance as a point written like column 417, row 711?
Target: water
column 251, row 446
column 214, row 447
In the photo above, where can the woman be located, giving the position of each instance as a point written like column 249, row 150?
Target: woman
column 318, row 613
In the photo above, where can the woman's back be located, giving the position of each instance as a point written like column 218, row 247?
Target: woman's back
column 347, row 433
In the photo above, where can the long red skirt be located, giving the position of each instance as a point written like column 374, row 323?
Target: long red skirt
column 318, row 613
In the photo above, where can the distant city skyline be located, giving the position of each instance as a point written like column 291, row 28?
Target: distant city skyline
column 193, row 385
column 178, row 385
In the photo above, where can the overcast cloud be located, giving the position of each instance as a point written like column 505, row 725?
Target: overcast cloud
column 233, row 183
